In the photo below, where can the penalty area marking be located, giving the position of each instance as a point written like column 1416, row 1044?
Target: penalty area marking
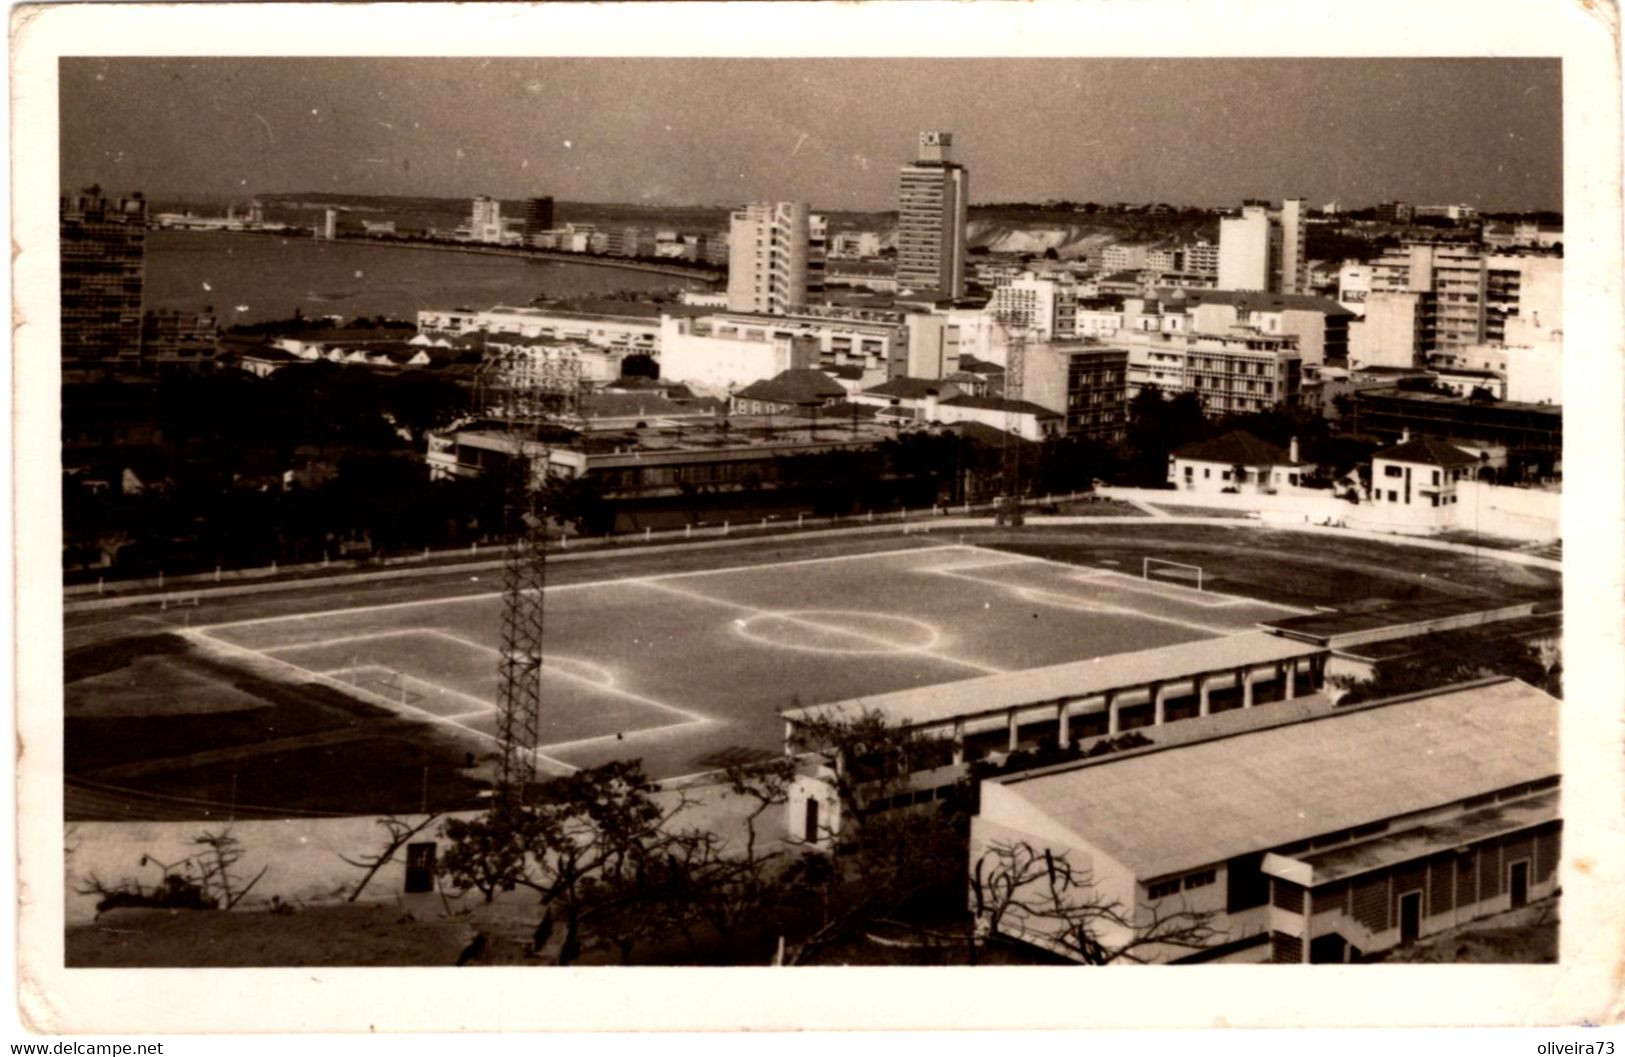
column 198, row 635
column 607, row 688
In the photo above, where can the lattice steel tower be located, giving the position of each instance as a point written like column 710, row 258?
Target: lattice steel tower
column 531, row 392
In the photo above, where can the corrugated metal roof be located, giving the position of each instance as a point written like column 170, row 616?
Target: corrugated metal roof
column 1166, row 812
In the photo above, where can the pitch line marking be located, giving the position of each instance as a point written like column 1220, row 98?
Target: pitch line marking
column 485, row 596
column 901, row 648
column 198, row 634
column 486, row 706
column 1238, row 599
column 1055, row 601
column 614, row 691
column 631, row 735
column 340, row 640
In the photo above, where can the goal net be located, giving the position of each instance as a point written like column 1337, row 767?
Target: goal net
column 1171, row 570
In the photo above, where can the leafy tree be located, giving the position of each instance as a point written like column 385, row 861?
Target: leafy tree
column 1450, row 657
column 1156, row 426
column 640, row 365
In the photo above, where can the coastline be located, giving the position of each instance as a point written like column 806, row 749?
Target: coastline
column 706, row 275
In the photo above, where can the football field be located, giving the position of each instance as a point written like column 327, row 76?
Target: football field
column 689, row 670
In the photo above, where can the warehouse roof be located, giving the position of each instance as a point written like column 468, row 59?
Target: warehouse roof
column 1163, row 812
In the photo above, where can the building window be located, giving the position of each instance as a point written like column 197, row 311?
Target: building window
column 1393, row 496
column 1163, row 889
column 1201, row 878
column 1392, row 471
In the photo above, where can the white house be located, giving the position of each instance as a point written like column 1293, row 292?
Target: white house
column 1237, row 461
column 1415, row 481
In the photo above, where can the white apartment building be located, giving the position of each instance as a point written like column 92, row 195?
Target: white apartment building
column 1353, row 286
column 1201, row 258
column 1390, row 333
column 1263, row 249
column 859, row 244
column 1045, row 308
column 720, row 358
column 1244, row 250
column 485, row 220
column 1123, row 257
column 768, row 257
column 933, row 193
column 626, row 333
column 1238, row 370
column 1451, row 279
column 868, row 339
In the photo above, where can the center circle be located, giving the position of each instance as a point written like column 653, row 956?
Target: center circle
column 843, row 631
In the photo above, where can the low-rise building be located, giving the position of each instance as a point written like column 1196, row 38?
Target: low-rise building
column 1439, row 808
column 786, row 391
column 1236, row 462
column 1020, row 418
column 1420, row 475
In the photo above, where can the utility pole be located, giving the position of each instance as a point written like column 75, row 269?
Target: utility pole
column 1014, row 324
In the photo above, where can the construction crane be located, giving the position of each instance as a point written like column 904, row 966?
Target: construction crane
column 531, row 392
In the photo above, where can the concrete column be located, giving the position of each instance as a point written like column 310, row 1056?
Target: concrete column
column 1244, row 679
column 1061, row 732
column 1291, row 679
column 1159, row 702
column 1204, row 704
column 1113, row 719
column 959, row 741
column 1015, row 738
column 1308, row 921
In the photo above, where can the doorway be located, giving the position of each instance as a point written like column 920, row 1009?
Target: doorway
column 1518, row 883
column 1410, row 916
column 812, row 819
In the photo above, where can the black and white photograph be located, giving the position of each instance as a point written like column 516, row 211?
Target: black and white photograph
column 593, row 500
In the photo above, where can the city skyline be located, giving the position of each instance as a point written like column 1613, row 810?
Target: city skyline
column 719, row 132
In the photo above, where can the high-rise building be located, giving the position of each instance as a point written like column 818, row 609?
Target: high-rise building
column 1244, row 249
column 1264, row 248
column 485, row 224
column 330, row 224
column 538, row 217
column 768, row 257
column 932, row 196
column 1294, row 274
column 103, row 253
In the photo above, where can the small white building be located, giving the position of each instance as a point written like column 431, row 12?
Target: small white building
column 1414, row 482
column 1236, row 462
column 1022, row 418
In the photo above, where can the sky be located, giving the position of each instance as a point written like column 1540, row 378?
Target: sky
column 1487, row 132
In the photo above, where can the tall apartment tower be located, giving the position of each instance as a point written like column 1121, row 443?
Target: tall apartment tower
column 538, row 217
column 103, row 247
column 485, row 222
column 1264, row 248
column 1294, row 274
column 330, row 224
column 1244, row 249
column 931, row 199
column 768, row 257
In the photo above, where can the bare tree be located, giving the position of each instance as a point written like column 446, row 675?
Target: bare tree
column 398, row 833
column 1018, row 879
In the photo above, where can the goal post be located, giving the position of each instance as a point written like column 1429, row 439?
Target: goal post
column 1186, row 567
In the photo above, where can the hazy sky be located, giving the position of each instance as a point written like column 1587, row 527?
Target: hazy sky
column 1189, row 131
